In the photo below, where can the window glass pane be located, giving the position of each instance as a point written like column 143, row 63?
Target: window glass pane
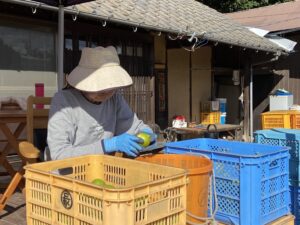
column 28, row 56
column 129, row 50
column 94, row 44
column 82, row 44
column 26, row 48
column 139, row 51
column 119, row 49
column 69, row 44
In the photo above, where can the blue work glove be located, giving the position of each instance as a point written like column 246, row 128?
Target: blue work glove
column 127, row 143
column 151, row 133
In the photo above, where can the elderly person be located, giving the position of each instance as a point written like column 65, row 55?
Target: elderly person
column 92, row 117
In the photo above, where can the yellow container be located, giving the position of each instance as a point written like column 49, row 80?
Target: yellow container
column 199, row 173
column 210, row 117
column 143, row 193
column 295, row 120
column 276, row 119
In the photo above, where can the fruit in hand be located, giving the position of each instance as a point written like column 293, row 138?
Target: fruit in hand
column 145, row 137
column 99, row 182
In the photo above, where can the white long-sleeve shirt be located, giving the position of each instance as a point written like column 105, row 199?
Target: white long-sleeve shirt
column 77, row 126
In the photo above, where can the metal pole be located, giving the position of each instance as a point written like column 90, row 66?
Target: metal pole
column 251, row 103
column 60, row 55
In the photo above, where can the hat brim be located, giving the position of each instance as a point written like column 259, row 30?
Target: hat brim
column 104, row 78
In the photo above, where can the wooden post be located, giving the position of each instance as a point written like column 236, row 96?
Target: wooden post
column 246, row 95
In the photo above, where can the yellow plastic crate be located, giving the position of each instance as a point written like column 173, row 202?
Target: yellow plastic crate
column 210, row 117
column 276, row 119
column 295, row 119
column 143, row 193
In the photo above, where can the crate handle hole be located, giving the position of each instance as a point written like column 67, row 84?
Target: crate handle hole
column 66, row 171
column 274, row 164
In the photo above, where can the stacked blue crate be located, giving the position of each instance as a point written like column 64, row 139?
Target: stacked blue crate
column 251, row 179
column 290, row 138
column 286, row 138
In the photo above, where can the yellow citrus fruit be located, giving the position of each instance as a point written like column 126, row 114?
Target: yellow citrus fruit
column 146, row 139
column 99, row 182
column 109, row 186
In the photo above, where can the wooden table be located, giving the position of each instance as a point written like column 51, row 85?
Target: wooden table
column 11, row 117
column 232, row 129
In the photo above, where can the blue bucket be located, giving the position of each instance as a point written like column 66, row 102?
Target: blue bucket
column 223, row 103
column 223, row 118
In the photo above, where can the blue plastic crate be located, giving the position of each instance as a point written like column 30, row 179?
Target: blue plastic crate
column 295, row 203
column 251, row 179
column 287, row 138
column 285, row 130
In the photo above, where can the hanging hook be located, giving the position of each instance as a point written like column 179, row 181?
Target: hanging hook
column 244, row 49
column 216, row 43
column 74, row 16
column 104, row 23
column 159, row 33
column 134, row 29
column 171, row 38
column 193, row 47
column 180, row 36
column 34, row 9
column 192, row 37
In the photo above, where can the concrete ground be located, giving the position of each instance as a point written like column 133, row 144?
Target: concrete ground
column 14, row 212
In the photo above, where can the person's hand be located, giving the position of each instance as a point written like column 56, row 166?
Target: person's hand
column 151, row 133
column 127, row 143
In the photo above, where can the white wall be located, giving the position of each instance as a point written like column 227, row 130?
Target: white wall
column 22, row 83
column 179, row 81
column 201, row 79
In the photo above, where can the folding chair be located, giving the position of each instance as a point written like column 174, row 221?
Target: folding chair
column 37, row 118
column 37, row 121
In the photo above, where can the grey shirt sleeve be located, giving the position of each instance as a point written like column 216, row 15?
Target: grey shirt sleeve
column 61, row 132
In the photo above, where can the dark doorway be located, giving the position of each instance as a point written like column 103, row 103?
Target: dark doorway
column 161, row 98
column 224, row 88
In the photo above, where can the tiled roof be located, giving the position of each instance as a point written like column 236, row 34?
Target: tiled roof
column 175, row 16
column 276, row 17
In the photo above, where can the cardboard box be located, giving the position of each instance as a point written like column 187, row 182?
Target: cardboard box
column 280, row 102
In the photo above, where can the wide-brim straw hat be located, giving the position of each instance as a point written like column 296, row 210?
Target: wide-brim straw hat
column 99, row 70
